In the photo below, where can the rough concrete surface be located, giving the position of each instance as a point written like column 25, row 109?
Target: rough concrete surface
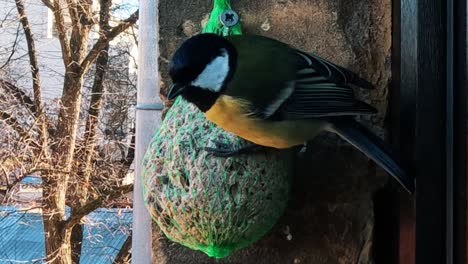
column 330, row 216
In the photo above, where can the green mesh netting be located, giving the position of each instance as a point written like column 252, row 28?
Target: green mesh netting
column 215, row 205
column 206, row 203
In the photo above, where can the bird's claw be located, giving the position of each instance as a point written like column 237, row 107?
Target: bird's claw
column 225, row 150
column 222, row 145
column 302, row 151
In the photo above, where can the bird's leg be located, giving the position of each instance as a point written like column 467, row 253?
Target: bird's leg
column 227, row 150
column 303, row 148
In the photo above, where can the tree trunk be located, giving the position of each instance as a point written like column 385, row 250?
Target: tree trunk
column 58, row 248
column 58, row 244
column 76, row 242
column 125, row 253
column 57, row 238
column 92, row 123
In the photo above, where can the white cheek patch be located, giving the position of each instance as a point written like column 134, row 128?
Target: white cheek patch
column 214, row 74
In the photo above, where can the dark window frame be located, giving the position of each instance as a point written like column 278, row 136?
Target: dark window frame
column 429, row 124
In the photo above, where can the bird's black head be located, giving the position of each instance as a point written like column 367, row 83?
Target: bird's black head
column 200, row 69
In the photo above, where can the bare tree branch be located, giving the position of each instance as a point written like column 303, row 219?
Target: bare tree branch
column 131, row 150
column 47, row 171
column 13, row 123
column 108, row 37
column 134, row 36
column 81, row 15
column 7, row 17
column 85, row 12
column 35, row 76
column 73, row 13
column 13, row 49
column 10, row 184
column 92, row 122
column 60, row 25
column 32, row 54
column 78, row 213
column 19, row 95
column 6, row 177
column 83, row 169
column 49, row 4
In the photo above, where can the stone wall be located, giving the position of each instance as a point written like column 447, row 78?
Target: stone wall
column 331, row 216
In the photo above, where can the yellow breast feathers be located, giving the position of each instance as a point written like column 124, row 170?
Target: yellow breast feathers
column 231, row 114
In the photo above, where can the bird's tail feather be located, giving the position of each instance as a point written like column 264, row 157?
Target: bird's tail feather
column 374, row 147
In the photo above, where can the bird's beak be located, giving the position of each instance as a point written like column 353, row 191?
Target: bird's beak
column 175, row 90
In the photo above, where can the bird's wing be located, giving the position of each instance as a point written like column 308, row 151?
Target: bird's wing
column 265, row 73
column 331, row 71
column 281, row 82
column 322, row 89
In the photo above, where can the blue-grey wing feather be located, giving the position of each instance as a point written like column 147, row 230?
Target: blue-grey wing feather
column 322, row 89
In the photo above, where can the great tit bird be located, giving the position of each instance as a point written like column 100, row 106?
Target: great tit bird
column 274, row 95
